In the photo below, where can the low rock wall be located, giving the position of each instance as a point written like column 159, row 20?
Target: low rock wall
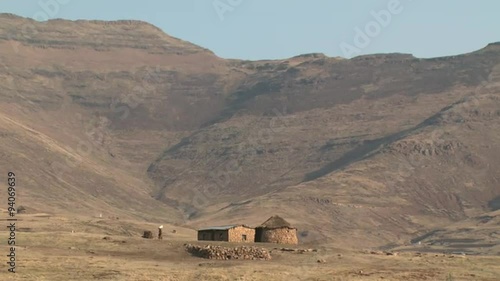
column 228, row 253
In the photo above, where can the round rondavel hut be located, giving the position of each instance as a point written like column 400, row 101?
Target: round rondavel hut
column 276, row 230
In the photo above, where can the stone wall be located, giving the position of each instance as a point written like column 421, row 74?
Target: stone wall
column 280, row 235
column 236, row 234
column 227, row 253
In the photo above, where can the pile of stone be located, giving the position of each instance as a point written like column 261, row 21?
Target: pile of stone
column 300, row 251
column 384, row 253
column 228, row 253
column 147, row 234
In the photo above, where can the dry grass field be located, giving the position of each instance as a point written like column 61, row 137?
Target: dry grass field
column 49, row 250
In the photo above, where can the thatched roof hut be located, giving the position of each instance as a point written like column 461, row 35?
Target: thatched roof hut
column 275, row 222
column 276, row 230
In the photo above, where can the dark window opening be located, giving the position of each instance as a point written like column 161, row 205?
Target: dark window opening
column 258, row 234
column 244, row 237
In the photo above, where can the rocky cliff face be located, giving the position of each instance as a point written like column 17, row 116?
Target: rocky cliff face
column 122, row 117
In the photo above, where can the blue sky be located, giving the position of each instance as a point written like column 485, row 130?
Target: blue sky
column 273, row 29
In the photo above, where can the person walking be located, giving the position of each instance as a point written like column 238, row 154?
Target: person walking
column 160, row 237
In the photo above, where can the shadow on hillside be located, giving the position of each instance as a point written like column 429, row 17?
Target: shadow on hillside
column 239, row 99
column 494, row 204
column 359, row 153
column 370, row 147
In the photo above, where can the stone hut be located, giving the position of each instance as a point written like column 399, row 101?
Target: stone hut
column 229, row 233
column 276, row 230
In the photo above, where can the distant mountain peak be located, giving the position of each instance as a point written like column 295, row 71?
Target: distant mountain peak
column 97, row 34
column 312, row 55
column 10, row 16
column 402, row 56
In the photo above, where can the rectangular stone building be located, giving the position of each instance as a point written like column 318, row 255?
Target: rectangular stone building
column 229, row 233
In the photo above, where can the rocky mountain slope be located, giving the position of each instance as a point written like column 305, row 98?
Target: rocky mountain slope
column 118, row 117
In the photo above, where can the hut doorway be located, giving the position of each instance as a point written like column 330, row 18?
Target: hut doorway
column 258, row 234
